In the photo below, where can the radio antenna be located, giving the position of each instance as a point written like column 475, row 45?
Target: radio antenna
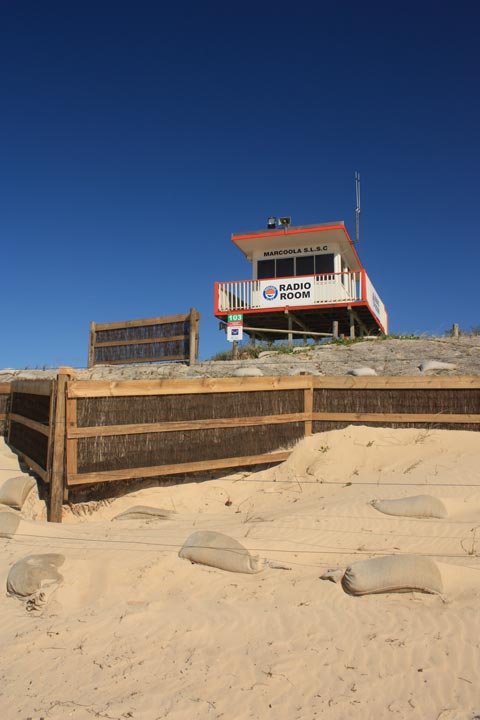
column 357, row 208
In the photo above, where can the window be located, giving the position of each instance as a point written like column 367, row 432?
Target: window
column 305, row 265
column 295, row 267
column 285, row 267
column 324, row 264
column 265, row 269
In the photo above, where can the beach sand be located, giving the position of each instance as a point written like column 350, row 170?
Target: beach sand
column 133, row 631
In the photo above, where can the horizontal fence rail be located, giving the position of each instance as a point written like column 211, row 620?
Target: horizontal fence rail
column 106, row 431
column 159, row 339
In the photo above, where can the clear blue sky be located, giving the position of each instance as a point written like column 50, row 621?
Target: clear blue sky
column 137, row 136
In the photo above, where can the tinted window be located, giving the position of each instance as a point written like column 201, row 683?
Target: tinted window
column 265, row 269
column 305, row 265
column 324, row 264
column 284, row 267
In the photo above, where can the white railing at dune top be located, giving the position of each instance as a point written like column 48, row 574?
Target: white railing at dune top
column 327, row 289
column 375, row 303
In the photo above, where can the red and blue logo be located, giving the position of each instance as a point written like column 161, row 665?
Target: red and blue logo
column 270, row 292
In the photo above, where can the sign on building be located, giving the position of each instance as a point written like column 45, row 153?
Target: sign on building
column 287, row 291
column 235, row 327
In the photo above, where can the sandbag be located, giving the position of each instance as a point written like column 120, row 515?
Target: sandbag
column 144, row 512
column 392, row 573
column 9, row 522
column 14, row 491
column 248, row 372
column 32, row 573
column 427, row 365
column 220, row 551
column 418, row 506
column 362, row 372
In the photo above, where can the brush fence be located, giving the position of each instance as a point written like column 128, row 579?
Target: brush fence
column 30, row 424
column 4, row 402
column 140, row 341
column 107, row 431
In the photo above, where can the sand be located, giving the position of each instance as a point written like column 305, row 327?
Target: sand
column 133, row 631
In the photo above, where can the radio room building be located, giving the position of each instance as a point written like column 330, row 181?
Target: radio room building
column 308, row 278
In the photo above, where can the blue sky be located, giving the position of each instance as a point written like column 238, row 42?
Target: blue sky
column 137, row 136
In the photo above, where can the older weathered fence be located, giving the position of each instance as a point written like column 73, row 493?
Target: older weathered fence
column 4, row 400
column 149, row 340
column 30, row 422
column 96, row 431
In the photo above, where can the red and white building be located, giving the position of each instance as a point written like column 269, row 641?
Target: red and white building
column 307, row 278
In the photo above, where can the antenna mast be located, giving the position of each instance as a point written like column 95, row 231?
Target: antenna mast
column 357, row 209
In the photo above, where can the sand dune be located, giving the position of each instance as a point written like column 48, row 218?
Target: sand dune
column 133, row 631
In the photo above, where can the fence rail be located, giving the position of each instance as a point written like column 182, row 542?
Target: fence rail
column 159, row 339
column 99, row 431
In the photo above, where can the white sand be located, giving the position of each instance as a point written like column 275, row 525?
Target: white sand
column 136, row 632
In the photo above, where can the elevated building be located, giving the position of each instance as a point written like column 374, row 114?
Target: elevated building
column 308, row 278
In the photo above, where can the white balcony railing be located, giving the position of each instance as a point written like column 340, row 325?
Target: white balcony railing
column 330, row 289
column 307, row 290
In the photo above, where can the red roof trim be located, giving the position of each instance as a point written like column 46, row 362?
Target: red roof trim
column 291, row 231
column 300, row 231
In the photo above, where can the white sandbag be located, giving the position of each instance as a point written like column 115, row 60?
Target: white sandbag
column 34, row 572
column 217, row 550
column 418, row 506
column 427, row 365
column 9, row 522
column 14, row 491
column 392, row 573
column 248, row 372
column 144, row 512
column 362, row 372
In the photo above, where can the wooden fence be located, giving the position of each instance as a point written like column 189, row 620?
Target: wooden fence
column 149, row 340
column 4, row 401
column 100, row 431
column 30, row 422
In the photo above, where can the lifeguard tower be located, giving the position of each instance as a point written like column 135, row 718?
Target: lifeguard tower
column 308, row 278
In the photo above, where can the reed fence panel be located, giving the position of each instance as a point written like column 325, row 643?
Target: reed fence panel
column 131, row 429
column 4, row 404
column 158, row 339
column 30, row 422
column 443, row 403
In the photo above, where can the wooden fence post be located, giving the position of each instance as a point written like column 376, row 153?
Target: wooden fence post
column 57, row 470
column 308, row 408
column 91, row 346
column 193, row 341
column 197, row 332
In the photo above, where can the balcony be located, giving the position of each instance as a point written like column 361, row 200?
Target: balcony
column 322, row 291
